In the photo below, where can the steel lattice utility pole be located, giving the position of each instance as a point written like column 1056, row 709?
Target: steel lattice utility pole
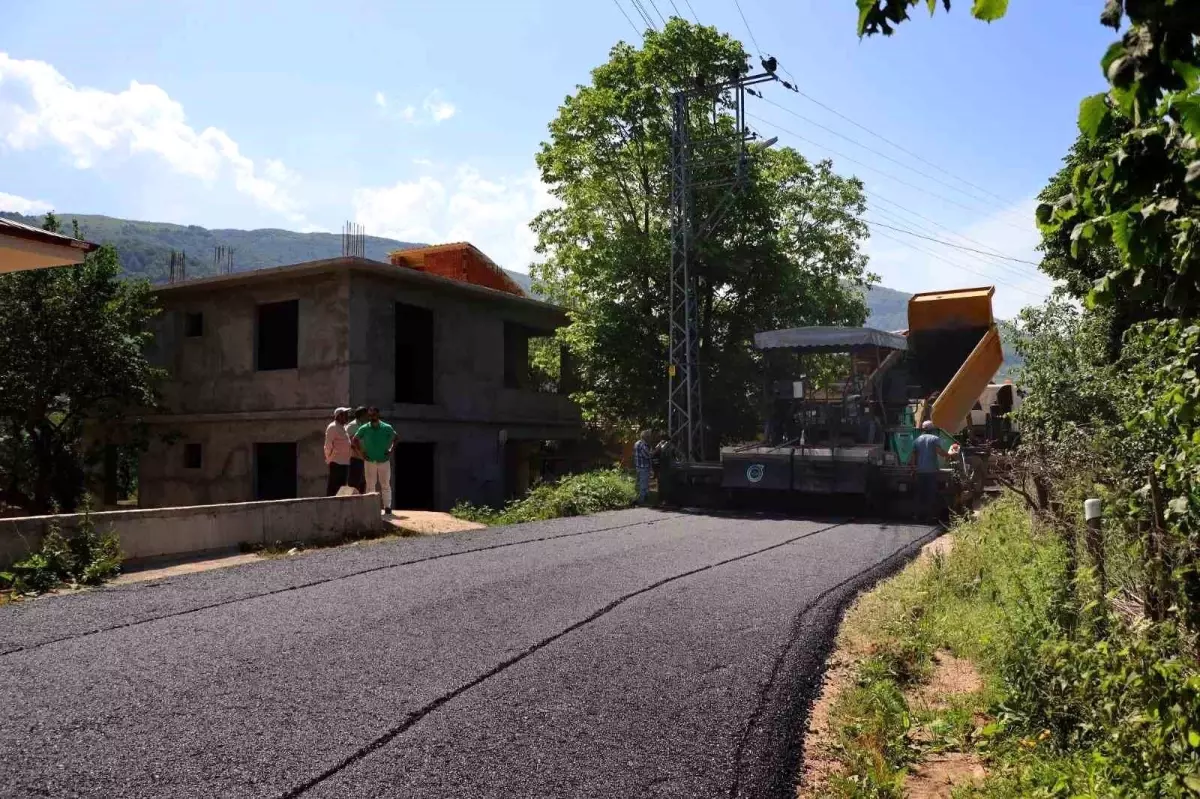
column 685, row 413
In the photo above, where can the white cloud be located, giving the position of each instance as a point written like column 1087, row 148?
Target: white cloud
column 912, row 264
column 39, row 107
column 463, row 205
column 439, row 110
column 434, row 109
column 22, row 205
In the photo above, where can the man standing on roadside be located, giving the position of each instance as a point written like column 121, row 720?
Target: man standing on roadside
column 926, row 450
column 337, row 451
column 641, row 465
column 375, row 441
column 357, row 478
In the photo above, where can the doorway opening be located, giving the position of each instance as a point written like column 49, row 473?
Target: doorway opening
column 275, row 471
column 413, row 476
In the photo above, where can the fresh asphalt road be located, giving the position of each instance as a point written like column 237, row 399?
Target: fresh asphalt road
column 628, row 654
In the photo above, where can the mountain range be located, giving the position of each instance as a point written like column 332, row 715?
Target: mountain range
column 145, row 250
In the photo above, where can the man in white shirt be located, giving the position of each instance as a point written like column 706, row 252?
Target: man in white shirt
column 337, row 451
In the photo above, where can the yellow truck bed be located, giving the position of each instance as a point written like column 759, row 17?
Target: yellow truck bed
column 957, row 325
column 953, row 406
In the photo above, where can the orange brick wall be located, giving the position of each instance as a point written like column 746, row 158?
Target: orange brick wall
column 463, row 264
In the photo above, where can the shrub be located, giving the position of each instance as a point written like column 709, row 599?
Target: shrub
column 83, row 557
column 577, row 495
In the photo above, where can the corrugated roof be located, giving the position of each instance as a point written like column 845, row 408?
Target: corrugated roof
column 829, row 339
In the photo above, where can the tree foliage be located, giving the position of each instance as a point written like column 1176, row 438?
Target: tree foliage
column 73, row 353
column 1121, row 226
column 786, row 254
column 882, row 16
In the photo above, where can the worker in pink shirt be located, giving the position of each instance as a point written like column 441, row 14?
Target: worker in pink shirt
column 337, row 451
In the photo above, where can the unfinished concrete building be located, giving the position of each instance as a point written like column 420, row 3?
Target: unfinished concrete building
column 258, row 361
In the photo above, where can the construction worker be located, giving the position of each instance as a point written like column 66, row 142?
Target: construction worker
column 642, row 464
column 357, row 478
column 926, row 451
column 337, row 451
column 375, row 442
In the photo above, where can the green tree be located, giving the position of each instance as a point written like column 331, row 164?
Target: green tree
column 73, row 353
column 787, row 252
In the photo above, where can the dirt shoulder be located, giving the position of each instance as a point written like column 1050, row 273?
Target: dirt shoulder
column 888, row 721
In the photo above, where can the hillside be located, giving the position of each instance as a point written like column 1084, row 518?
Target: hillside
column 145, row 247
column 145, row 250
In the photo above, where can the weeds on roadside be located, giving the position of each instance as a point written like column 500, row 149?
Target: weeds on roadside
column 577, row 495
column 1077, row 705
column 83, row 556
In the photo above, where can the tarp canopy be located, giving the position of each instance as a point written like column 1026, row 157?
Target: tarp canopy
column 829, row 339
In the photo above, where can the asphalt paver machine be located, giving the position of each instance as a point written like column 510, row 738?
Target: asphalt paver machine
column 842, row 407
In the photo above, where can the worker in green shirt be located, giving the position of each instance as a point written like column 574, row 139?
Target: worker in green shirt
column 374, row 442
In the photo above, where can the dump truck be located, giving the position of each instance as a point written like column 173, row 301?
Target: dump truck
column 842, row 407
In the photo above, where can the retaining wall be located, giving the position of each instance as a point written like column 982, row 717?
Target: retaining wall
column 155, row 532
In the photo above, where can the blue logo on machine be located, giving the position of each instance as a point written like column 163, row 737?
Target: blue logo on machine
column 754, row 473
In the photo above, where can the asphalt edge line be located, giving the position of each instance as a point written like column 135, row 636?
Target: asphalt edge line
column 883, row 567
column 323, row 581
column 415, row 716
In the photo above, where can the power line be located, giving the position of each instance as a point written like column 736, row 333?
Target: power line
column 864, row 165
column 869, row 148
column 641, row 9
column 902, row 149
column 654, row 5
column 694, row 15
column 951, row 244
column 1018, row 272
column 749, row 30
column 625, row 14
column 878, row 135
column 959, row 266
column 1023, row 272
column 677, row 12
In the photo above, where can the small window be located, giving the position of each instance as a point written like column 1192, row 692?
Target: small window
column 193, row 456
column 193, row 325
column 278, row 335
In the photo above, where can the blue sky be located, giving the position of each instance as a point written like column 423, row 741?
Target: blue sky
column 420, row 120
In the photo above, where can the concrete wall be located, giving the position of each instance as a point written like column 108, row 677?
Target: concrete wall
column 468, row 351
column 216, row 372
column 346, row 357
column 471, row 406
column 175, row 531
column 227, row 471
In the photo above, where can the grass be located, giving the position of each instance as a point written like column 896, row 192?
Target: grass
column 944, row 602
column 1064, row 711
column 576, row 495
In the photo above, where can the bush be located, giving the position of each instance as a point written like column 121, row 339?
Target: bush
column 84, row 557
column 577, row 495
